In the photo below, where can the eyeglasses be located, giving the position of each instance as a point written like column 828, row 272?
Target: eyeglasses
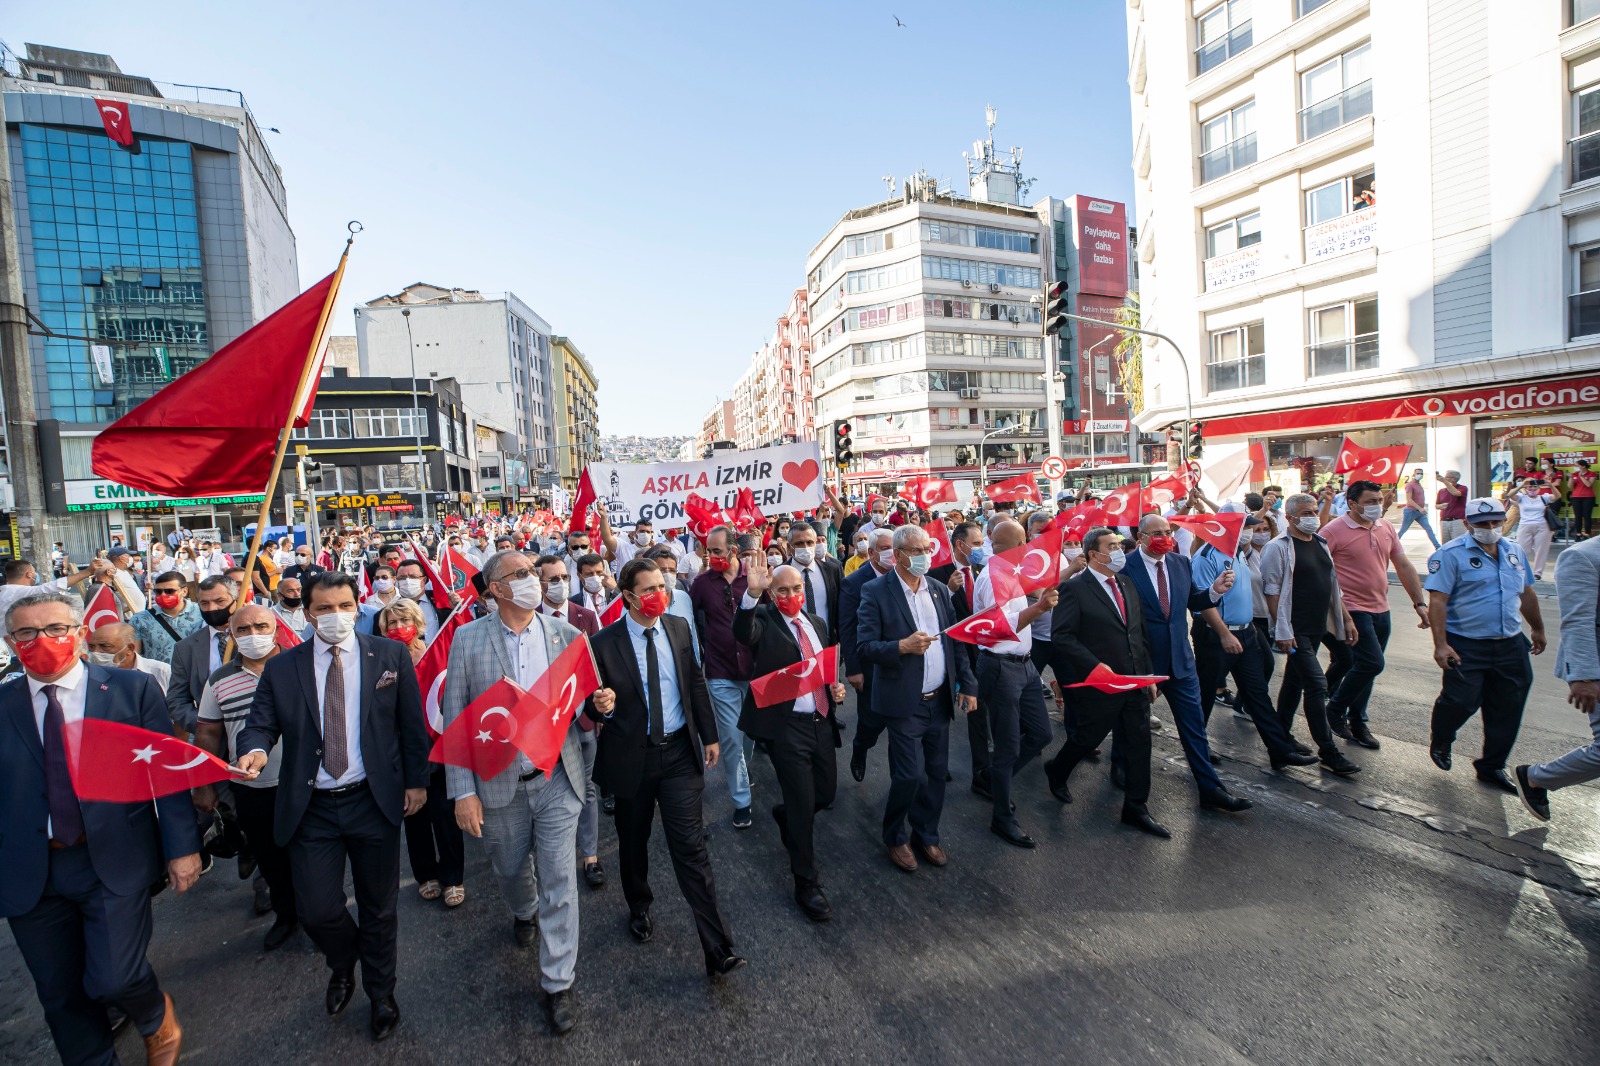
column 514, row 575
column 54, row 632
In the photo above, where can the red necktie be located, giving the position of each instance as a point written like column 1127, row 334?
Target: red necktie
column 806, row 652
column 967, row 583
column 1116, row 594
column 1161, row 590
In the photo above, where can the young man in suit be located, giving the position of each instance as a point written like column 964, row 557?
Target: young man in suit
column 528, row 820
column 348, row 711
column 801, row 734
column 660, row 733
column 199, row 655
column 77, row 878
column 820, row 577
column 968, row 556
column 880, row 561
column 919, row 678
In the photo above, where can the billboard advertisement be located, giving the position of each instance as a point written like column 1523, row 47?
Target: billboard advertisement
column 1102, row 237
column 1102, row 343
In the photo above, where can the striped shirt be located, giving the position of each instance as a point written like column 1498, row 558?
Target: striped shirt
column 226, row 699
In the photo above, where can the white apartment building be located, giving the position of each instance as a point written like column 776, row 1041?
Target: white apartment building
column 772, row 399
column 1461, row 315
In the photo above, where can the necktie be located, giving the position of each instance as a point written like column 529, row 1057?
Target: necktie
column 807, row 652
column 811, row 597
column 222, row 646
column 66, row 817
column 1116, row 594
column 652, row 668
column 966, row 582
column 335, row 741
column 1161, row 590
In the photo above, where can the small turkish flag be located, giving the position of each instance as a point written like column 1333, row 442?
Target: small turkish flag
column 547, row 710
column 1028, row 567
column 941, row 542
column 481, row 738
column 1105, row 679
column 366, row 586
column 1021, row 487
column 283, row 636
column 703, row 515
column 1221, row 531
column 113, row 762
column 612, row 612
column 797, row 679
column 924, row 492
column 1168, row 488
column 985, row 630
column 458, row 575
column 1075, row 523
column 117, row 119
column 1125, row 506
column 1386, row 466
column 746, row 515
column 102, row 609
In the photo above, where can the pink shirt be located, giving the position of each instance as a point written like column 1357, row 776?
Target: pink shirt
column 1361, row 557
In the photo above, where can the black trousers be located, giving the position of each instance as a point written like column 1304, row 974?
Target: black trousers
column 1582, row 515
column 1018, row 720
column 672, row 781
column 254, row 807
column 1250, row 686
column 1494, row 676
column 434, row 841
column 869, row 727
column 808, row 776
column 978, row 733
column 1264, row 642
column 336, row 830
column 1096, row 716
column 919, row 761
column 1304, row 681
column 85, row 947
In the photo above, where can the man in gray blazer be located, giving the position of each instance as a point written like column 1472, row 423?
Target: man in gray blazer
column 527, row 820
column 1578, row 664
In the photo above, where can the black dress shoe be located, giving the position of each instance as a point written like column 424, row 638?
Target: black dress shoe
column 1093, row 756
column 247, row 865
column 385, row 1016
column 1339, row 727
column 639, row 927
column 1497, row 778
column 594, row 875
column 1294, row 758
column 1362, row 735
column 263, row 901
column 1220, row 799
column 1119, row 776
column 1059, row 790
column 1013, row 834
column 1440, row 757
column 722, row 963
column 562, row 1011
column 608, row 804
column 341, row 986
column 280, row 932
column 980, row 785
column 524, row 932
column 1301, row 749
column 813, row 902
column 858, row 764
column 1139, row 818
column 1534, row 798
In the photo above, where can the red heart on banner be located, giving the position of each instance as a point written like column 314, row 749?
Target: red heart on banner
column 801, row 475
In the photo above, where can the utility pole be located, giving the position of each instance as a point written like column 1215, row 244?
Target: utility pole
column 16, row 386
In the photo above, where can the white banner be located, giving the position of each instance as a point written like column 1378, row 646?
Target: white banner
column 1347, row 233
column 1233, row 268
column 787, row 477
column 102, row 363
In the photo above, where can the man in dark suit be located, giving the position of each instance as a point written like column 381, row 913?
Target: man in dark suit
column 919, row 677
column 880, row 561
column 1167, row 593
column 77, row 880
column 354, row 763
column 801, row 734
column 557, row 603
column 820, row 577
column 660, row 731
column 199, row 655
column 967, row 550
column 1099, row 619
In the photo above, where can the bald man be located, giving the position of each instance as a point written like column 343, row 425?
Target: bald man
column 118, row 645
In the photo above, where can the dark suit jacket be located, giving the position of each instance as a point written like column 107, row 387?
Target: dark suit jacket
column 770, row 638
column 191, row 668
column 619, row 757
column 128, row 845
column 850, row 617
column 582, row 619
column 1170, row 650
column 1086, row 629
column 832, row 578
column 884, row 619
column 394, row 734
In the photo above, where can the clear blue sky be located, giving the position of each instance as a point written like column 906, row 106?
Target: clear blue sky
column 649, row 177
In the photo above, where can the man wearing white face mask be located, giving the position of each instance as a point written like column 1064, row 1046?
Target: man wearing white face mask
column 408, row 582
column 118, row 645
column 621, row 551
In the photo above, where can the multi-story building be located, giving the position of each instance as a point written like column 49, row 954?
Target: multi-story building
column 577, row 414
column 1466, row 326
column 717, row 425
column 137, row 262
column 496, row 347
column 772, row 401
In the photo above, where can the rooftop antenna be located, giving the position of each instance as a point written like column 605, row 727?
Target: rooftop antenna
column 888, row 184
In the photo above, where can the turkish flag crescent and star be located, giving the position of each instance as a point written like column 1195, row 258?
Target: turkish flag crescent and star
column 1021, row 487
column 1105, row 679
column 940, row 536
column 797, row 679
column 924, row 492
column 102, row 609
column 432, row 666
column 985, row 629
column 481, row 738
column 1125, row 506
column 117, row 119
column 113, row 762
column 182, row 442
column 547, row 710
column 1382, row 465
column 1221, row 531
column 1028, row 567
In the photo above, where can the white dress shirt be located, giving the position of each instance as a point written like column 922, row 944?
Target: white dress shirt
column 806, row 704
column 983, row 599
column 156, row 669
column 819, row 588
column 350, row 664
column 72, row 690
column 926, row 616
column 10, row 594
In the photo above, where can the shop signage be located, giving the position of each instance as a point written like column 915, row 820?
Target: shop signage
column 1347, row 233
column 1108, row 425
column 883, row 442
column 1233, row 268
column 1102, row 246
column 96, row 495
column 1555, row 429
column 388, row 502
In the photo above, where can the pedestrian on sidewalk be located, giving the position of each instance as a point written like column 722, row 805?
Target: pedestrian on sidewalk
column 1415, row 510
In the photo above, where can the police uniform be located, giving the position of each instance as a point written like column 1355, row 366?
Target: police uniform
column 1484, row 625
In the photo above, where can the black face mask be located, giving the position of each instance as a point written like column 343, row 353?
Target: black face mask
column 290, row 602
column 217, row 617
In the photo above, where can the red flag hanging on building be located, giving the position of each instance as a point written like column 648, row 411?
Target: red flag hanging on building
column 1028, row 567
column 1385, row 466
column 797, row 679
column 985, row 629
column 114, row 762
column 941, row 542
column 432, row 666
column 482, row 738
column 1021, row 487
column 283, row 636
column 440, row 589
column 924, row 492
column 117, row 119
column 1221, row 531
column 547, row 710
column 184, row 442
column 458, row 574
column 102, row 608
column 1105, row 679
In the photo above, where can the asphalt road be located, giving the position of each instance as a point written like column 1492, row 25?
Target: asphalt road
column 1406, row 915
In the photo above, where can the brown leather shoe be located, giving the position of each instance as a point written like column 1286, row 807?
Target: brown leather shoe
column 161, row 1047
column 932, row 852
column 901, row 856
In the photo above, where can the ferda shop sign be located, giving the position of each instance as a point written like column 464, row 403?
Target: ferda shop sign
column 785, row 477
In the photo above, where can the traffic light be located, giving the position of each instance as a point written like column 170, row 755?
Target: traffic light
column 311, row 472
column 1196, row 444
column 843, row 446
column 1056, row 305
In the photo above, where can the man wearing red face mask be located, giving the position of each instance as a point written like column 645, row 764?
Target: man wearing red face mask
column 77, row 878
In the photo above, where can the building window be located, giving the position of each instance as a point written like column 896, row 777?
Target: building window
column 1585, row 146
column 973, row 272
column 1584, row 304
column 396, row 477
column 389, row 421
column 1328, row 202
column 1223, row 32
column 1234, row 234
column 1584, row 10
column 1302, row 8
column 1238, row 358
column 1344, row 338
column 935, row 231
column 325, row 425
column 1227, row 142
column 1337, row 92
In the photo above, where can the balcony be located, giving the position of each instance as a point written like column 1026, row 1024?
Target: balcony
column 1583, row 314
column 1325, row 116
column 1217, row 52
column 1584, row 152
column 1342, row 357
column 1230, row 157
column 1236, row 374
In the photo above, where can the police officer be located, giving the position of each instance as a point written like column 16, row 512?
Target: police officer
column 1475, row 584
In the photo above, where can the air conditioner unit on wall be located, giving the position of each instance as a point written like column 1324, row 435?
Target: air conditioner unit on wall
column 994, row 286
column 970, row 394
column 966, row 283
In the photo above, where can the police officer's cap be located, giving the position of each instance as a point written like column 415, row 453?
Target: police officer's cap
column 1485, row 509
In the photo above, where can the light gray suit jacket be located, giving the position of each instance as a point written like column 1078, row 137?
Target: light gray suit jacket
column 478, row 661
column 1578, row 591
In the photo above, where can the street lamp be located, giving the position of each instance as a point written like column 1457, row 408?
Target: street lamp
column 1188, row 401
column 416, row 414
column 983, row 452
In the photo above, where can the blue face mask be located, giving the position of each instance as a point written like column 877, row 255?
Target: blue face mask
column 979, row 556
column 918, row 564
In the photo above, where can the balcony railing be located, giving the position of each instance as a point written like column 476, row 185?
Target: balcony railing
column 1325, row 116
column 1583, row 314
column 1215, row 53
column 1585, row 153
column 1236, row 373
column 1341, row 357
column 1230, row 157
